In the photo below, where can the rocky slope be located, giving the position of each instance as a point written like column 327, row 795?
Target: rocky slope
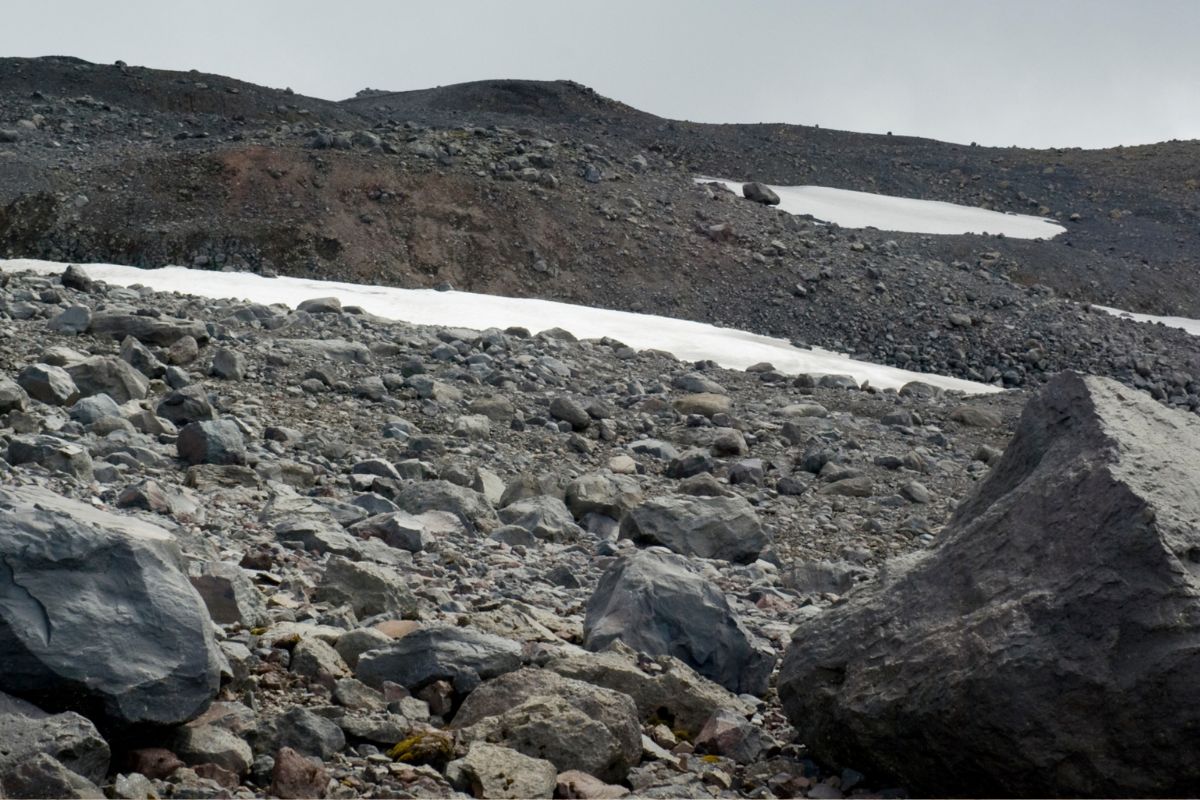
column 366, row 559
column 548, row 190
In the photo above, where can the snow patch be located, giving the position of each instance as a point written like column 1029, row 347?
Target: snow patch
column 851, row 209
column 1191, row 326
column 687, row 340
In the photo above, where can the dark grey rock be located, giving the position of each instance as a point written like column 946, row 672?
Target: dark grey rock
column 545, row 517
column 48, row 384
column 138, row 356
column 707, row 527
column 160, row 331
column 228, row 365
column 42, row 775
column 69, row 737
column 212, row 442
column 760, row 193
column 111, row 376
column 654, row 602
column 81, row 591
column 53, row 453
column 1046, row 645
column 185, row 405
column 440, row 653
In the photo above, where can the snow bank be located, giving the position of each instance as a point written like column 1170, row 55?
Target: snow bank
column 687, row 340
column 1191, row 326
column 864, row 210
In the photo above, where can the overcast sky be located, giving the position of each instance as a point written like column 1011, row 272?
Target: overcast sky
column 1087, row 73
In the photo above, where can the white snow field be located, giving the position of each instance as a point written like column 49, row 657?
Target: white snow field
column 851, row 209
column 691, row 341
column 1191, row 326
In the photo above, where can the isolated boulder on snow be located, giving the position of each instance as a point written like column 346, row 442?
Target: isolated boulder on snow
column 96, row 616
column 1048, row 646
column 760, row 193
column 654, row 602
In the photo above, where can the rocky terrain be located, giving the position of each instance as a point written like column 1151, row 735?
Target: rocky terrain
column 308, row 551
column 549, row 190
column 252, row 550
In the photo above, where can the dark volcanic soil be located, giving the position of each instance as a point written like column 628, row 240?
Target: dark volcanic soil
column 549, row 190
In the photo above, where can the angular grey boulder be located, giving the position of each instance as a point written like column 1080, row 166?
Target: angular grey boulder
column 654, row 602
column 545, row 517
column 12, row 396
column 367, row 588
column 467, row 504
column 111, row 376
column 26, row 730
column 160, row 331
column 1048, row 645
column 96, row 616
column 459, row 655
column 707, row 527
column 48, row 384
column 189, row 404
column 212, row 442
column 671, row 691
column 575, row 725
column 53, row 453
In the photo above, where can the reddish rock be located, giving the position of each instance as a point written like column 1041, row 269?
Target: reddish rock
column 295, row 776
column 217, row 773
column 576, row 784
column 154, row 762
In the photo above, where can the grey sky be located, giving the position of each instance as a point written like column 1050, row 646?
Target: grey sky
column 1085, row 73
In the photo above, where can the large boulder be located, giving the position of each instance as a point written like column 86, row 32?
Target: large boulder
column 574, row 724
column 367, row 588
column 669, row 690
column 109, row 375
column 49, row 384
column 211, row 441
column 655, row 603
column 467, row 504
column 439, row 653
column 1048, row 645
column 160, row 331
column 26, row 730
column 53, row 453
column 96, row 616
column 543, row 516
column 707, row 527
column 760, row 193
column 489, row 770
column 604, row 493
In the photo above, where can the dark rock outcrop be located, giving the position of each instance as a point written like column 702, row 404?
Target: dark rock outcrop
column 1048, row 646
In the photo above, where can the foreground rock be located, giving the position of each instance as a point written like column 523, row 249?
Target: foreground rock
column 1048, row 646
column 656, row 603
column 26, row 730
column 81, row 590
